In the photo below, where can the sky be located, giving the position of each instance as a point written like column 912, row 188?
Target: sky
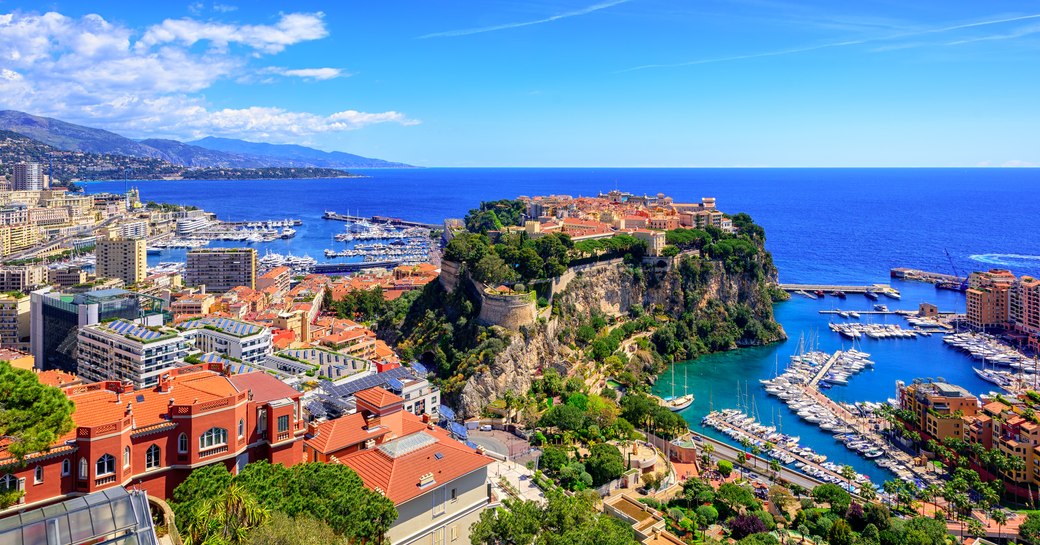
column 609, row 83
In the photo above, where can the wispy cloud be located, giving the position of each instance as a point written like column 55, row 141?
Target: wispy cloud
column 506, row 26
column 910, row 34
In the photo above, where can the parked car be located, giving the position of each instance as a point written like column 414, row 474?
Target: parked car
column 485, row 427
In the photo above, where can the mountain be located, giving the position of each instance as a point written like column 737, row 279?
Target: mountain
column 66, row 136
column 205, row 153
column 299, row 155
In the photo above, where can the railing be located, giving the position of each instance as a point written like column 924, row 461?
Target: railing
column 212, row 451
column 283, row 436
column 101, row 481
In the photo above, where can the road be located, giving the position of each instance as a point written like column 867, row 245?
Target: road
column 726, row 452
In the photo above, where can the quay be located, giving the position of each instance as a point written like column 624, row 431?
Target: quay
column 904, row 273
column 396, row 222
column 878, row 288
column 291, row 222
column 899, row 312
column 823, row 370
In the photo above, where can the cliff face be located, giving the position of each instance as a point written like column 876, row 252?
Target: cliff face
column 613, row 289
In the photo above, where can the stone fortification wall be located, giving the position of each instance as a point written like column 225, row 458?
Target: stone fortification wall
column 508, row 311
column 449, row 277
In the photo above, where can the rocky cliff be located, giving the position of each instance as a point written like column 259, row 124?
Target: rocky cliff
column 613, row 289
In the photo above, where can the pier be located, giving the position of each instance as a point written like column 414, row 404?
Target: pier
column 823, row 369
column 336, row 268
column 904, row 273
column 878, row 288
column 396, row 222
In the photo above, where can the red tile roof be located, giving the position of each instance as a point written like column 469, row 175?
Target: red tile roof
column 265, row 388
column 396, row 466
column 340, row 433
column 378, row 397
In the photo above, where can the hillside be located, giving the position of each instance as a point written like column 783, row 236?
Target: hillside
column 297, row 155
column 208, row 152
column 72, row 166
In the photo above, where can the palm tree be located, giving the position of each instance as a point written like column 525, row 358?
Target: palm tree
column 849, row 473
column 999, row 517
column 226, row 518
column 775, row 466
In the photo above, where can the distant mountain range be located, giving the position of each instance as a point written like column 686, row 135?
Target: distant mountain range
column 205, row 153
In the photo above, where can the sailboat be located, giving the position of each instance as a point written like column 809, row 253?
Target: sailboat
column 676, row 404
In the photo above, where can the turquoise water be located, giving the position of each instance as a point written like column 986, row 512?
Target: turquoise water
column 823, row 226
column 715, row 380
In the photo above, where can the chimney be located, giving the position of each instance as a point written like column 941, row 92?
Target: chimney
column 129, row 409
column 118, row 394
column 372, row 422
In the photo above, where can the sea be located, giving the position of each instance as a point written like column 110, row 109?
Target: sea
column 823, row 226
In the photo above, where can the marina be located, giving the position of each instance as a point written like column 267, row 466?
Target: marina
column 821, row 290
column 855, row 330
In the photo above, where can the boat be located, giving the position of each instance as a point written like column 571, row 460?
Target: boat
column 881, row 308
column 871, row 294
column 853, row 314
column 288, row 232
column 839, row 294
column 891, row 294
column 819, row 293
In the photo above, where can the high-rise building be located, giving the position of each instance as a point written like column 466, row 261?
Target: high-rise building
column 28, row 177
column 220, row 269
column 124, row 351
column 1025, row 309
column 243, row 341
column 14, row 320
column 55, row 319
column 125, row 259
column 988, row 299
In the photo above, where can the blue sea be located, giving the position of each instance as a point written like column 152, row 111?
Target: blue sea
column 822, row 225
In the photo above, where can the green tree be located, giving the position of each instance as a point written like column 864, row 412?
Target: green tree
column 285, row 530
column 725, row 468
column 32, row 415
column 840, row 533
column 1029, row 530
column 516, row 523
column 1000, row 518
column 870, row 535
column 199, row 487
column 225, row 518
column 605, row 463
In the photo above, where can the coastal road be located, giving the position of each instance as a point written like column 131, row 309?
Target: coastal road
column 726, row 452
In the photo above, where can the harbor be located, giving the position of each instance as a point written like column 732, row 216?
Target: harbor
column 396, row 222
column 407, row 245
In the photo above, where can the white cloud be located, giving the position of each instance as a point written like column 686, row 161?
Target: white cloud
column 313, row 73
column 292, row 28
column 95, row 72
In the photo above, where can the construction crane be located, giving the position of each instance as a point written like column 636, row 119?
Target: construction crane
column 961, row 282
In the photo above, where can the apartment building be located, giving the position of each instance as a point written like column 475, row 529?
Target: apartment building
column 220, row 269
column 14, row 320
column 243, row 341
column 988, row 299
column 128, row 352
column 939, row 407
column 193, row 304
column 1025, row 309
column 122, row 258
column 66, row 277
column 277, row 278
column 22, row 278
column 28, row 177
column 438, row 485
column 152, row 438
column 55, row 319
column 17, row 237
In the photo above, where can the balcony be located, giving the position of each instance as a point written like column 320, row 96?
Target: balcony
column 215, row 450
column 101, row 481
column 282, row 436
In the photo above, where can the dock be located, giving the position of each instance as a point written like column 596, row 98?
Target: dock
column 823, row 370
column 396, row 222
column 904, row 273
column 878, row 288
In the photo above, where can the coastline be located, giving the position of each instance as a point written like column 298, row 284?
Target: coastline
column 181, row 179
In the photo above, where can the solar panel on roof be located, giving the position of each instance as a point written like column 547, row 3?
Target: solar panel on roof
column 458, row 430
column 140, row 398
column 472, row 445
column 446, row 412
column 395, row 385
column 420, row 369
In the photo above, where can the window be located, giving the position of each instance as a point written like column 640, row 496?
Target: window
column 182, row 443
column 295, row 412
column 106, row 465
column 66, row 467
column 454, row 532
column 437, row 538
column 241, row 428
column 83, row 468
column 126, row 456
column 283, row 423
column 454, row 494
column 261, row 420
column 212, row 438
column 438, row 501
column 38, row 475
column 152, row 457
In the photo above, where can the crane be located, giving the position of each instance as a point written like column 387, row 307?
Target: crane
column 961, row 284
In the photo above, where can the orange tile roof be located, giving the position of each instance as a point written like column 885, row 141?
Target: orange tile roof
column 275, row 272
column 56, row 377
column 378, row 397
column 264, row 387
column 398, row 476
column 343, row 432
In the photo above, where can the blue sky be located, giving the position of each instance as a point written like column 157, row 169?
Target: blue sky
column 538, row 83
